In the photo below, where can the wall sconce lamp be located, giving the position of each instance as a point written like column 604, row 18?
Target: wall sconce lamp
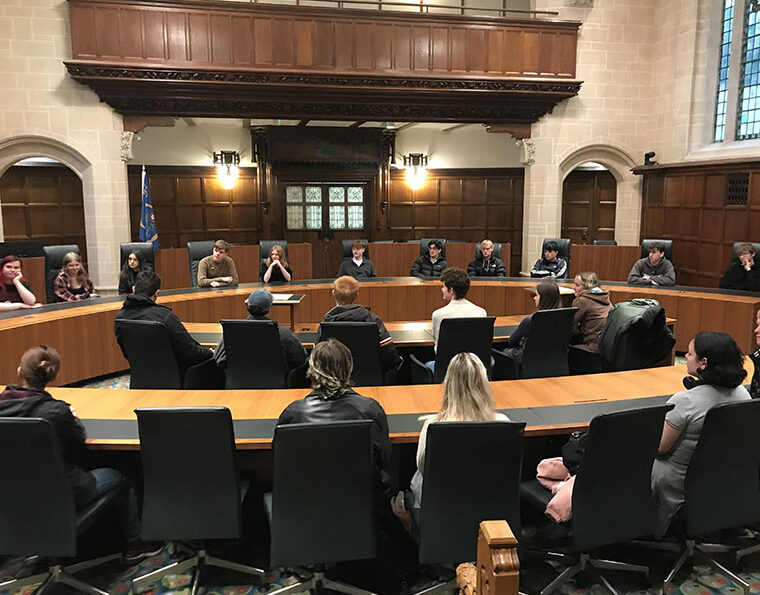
column 416, row 169
column 227, row 169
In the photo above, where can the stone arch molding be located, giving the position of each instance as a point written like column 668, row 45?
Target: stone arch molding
column 17, row 148
column 619, row 162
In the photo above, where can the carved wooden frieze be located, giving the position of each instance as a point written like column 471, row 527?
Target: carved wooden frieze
column 186, row 58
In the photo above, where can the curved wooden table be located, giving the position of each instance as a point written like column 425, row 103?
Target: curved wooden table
column 83, row 333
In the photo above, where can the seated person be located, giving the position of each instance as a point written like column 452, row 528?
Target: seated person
column 430, row 265
column 467, row 396
column 654, row 270
column 275, row 268
column 593, row 305
column 345, row 289
column 72, row 284
column 132, row 267
column 546, row 298
column 259, row 303
column 141, row 305
column 358, row 267
column 333, row 399
column 485, row 264
column 15, row 291
column 455, row 283
column 38, row 367
column 718, row 364
column 742, row 275
column 550, row 265
column 218, row 269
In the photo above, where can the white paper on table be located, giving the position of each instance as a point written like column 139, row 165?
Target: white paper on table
column 282, row 297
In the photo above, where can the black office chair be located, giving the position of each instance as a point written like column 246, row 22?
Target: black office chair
column 563, row 247
column 546, row 348
column 144, row 251
column 735, row 247
column 148, row 348
column 496, row 250
column 321, row 505
column 254, row 354
column 53, row 264
column 605, row 243
column 424, row 246
column 37, row 512
column 722, row 484
column 347, row 252
column 265, row 247
column 612, row 497
column 457, row 335
column 197, row 251
column 454, row 503
column 666, row 244
column 191, row 488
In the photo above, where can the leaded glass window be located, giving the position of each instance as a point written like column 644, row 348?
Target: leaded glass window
column 336, row 206
column 748, row 124
column 725, row 57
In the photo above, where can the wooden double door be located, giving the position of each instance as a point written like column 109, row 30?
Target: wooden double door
column 589, row 200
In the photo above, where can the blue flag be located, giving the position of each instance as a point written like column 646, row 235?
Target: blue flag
column 148, row 231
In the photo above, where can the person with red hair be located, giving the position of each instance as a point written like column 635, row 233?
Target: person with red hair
column 15, row 291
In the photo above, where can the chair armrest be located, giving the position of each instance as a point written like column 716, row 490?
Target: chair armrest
column 504, row 366
column 205, row 375
column 297, row 376
column 391, row 376
column 421, row 374
column 583, row 361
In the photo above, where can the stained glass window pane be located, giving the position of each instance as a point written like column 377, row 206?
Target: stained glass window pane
column 294, row 193
column 337, row 217
column 355, row 194
column 313, row 217
column 295, row 217
column 725, row 56
column 355, row 217
column 313, row 194
column 337, row 194
column 748, row 124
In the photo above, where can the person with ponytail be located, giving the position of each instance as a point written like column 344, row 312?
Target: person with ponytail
column 38, row 367
column 333, row 399
column 15, row 291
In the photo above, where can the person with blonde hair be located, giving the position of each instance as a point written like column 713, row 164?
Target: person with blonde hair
column 593, row 305
column 333, row 399
column 72, row 284
column 357, row 266
column 485, row 264
column 275, row 268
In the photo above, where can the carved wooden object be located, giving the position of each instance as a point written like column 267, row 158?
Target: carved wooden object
column 498, row 564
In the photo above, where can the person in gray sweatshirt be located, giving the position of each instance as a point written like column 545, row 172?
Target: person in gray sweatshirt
column 653, row 270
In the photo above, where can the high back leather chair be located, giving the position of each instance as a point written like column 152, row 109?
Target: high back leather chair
column 363, row 341
column 496, row 250
column 254, row 354
column 265, row 247
column 191, row 489
column 735, row 247
column 197, row 251
column 546, row 347
column 148, row 348
column 614, row 476
column 666, row 244
column 37, row 511
column 604, row 243
column 347, row 251
column 332, row 463
column 53, row 264
column 144, row 251
column 453, row 503
column 457, row 335
column 563, row 247
column 424, row 246
column 722, row 482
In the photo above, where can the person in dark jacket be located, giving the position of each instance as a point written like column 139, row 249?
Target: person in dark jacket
column 485, row 264
column 357, row 267
column 133, row 266
column 333, row 399
column 546, row 298
column 345, row 291
column 593, row 305
column 15, row 291
column 39, row 366
column 430, row 265
column 653, row 270
column 745, row 274
column 550, row 265
column 259, row 303
column 141, row 305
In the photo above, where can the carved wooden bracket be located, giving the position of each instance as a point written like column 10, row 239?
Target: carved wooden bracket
column 498, row 564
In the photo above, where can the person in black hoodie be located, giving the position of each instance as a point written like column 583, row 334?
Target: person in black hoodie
column 345, row 290
column 141, row 305
column 485, row 264
column 133, row 266
column 39, row 366
column 744, row 274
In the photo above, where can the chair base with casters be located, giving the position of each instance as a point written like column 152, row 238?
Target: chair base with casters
column 198, row 560
column 57, row 573
column 318, row 582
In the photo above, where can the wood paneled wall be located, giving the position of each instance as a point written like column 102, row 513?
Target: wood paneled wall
column 43, row 204
column 689, row 203
column 459, row 204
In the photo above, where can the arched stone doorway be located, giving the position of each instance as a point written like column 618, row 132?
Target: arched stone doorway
column 589, row 200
